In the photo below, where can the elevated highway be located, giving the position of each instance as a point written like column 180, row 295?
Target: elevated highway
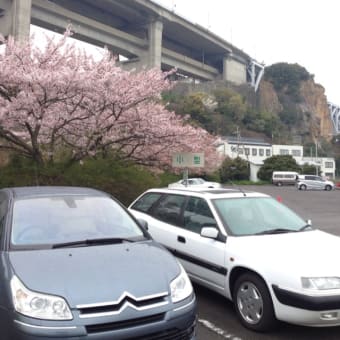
column 141, row 32
column 334, row 111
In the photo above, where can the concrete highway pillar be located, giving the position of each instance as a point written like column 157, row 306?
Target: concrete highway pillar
column 155, row 31
column 21, row 19
column 16, row 18
column 225, row 68
column 234, row 70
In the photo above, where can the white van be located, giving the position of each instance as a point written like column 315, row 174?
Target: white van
column 280, row 178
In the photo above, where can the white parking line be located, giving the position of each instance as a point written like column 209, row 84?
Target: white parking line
column 218, row 330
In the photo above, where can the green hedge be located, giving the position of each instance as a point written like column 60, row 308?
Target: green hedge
column 124, row 181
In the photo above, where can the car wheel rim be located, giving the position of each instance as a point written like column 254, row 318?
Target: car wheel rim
column 250, row 303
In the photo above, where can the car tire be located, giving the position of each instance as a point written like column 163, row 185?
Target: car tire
column 253, row 303
column 303, row 187
column 279, row 184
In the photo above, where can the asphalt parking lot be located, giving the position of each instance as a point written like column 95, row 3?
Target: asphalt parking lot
column 217, row 319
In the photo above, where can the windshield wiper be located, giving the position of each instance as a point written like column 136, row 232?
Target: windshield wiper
column 91, row 242
column 276, row 231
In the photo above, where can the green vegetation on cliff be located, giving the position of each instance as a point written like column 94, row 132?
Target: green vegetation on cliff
column 278, row 113
column 287, row 77
column 222, row 112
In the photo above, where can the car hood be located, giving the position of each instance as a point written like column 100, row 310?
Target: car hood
column 93, row 274
column 308, row 253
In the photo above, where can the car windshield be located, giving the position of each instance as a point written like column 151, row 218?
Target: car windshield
column 54, row 220
column 257, row 215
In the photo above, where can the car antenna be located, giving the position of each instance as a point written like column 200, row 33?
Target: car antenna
column 237, row 187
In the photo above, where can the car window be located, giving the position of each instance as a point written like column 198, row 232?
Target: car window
column 186, row 182
column 53, row 220
column 169, row 209
column 145, row 202
column 254, row 215
column 197, row 214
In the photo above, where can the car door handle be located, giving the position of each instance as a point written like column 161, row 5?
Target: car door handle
column 181, row 239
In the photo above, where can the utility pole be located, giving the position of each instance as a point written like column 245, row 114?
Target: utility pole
column 238, row 136
column 316, row 157
column 316, row 148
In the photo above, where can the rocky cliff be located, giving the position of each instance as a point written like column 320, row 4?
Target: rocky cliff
column 288, row 107
column 314, row 119
column 315, row 101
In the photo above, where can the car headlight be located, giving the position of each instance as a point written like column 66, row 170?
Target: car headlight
column 37, row 305
column 320, row 283
column 180, row 287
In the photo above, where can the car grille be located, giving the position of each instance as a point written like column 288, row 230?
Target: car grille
column 139, row 304
column 169, row 334
column 105, row 327
column 126, row 300
column 114, row 308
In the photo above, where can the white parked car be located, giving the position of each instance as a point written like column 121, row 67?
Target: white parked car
column 194, row 183
column 252, row 249
column 312, row 182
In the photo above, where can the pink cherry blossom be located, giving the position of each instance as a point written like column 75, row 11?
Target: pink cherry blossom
column 59, row 96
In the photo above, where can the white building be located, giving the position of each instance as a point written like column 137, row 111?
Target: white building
column 325, row 164
column 256, row 151
column 252, row 150
column 294, row 150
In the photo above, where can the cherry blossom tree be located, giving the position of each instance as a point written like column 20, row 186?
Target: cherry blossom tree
column 58, row 96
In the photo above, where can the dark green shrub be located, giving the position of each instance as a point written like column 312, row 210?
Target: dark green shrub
column 234, row 169
column 277, row 163
column 123, row 180
column 309, row 169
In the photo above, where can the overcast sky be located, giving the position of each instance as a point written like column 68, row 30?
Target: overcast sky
column 271, row 31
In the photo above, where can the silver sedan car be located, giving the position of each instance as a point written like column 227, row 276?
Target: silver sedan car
column 312, row 182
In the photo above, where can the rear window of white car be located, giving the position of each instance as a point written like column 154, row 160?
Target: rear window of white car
column 145, row 202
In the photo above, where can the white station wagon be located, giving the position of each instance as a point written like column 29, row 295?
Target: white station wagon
column 253, row 250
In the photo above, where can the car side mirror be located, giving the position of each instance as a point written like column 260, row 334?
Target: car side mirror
column 209, row 232
column 309, row 222
column 143, row 223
